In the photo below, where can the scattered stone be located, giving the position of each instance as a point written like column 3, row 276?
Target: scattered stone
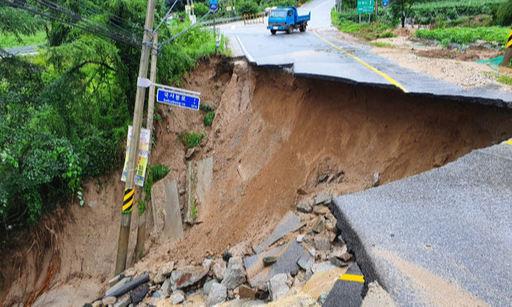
column 301, row 191
column 338, row 262
column 278, row 286
column 289, row 223
column 323, row 198
column 139, row 293
column 123, row 301
column 109, row 300
column 319, row 224
column 322, row 178
column 190, row 153
column 304, row 206
column 300, row 238
column 218, row 294
column 305, row 263
column 340, row 240
column 322, row 267
column 226, row 256
column 166, row 287
column 219, row 267
column 163, row 272
column 241, row 249
column 207, row 263
column 269, row 260
column 177, row 297
column 97, row 303
column 323, row 281
column 322, row 242
column 321, row 210
column 158, row 294
column 375, row 179
column 235, row 274
column 207, row 286
column 246, row 292
column 346, row 257
column 294, row 272
column 377, row 296
column 187, row 276
column 323, row 298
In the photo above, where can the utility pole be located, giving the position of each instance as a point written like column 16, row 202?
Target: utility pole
column 143, row 216
column 129, row 191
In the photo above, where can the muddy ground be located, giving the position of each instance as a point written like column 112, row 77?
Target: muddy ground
column 273, row 137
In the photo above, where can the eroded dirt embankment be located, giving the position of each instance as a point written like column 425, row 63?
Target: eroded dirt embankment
column 273, row 137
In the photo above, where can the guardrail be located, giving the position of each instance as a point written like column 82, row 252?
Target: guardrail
column 254, row 18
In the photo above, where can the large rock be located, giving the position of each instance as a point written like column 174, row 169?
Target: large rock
column 289, row 223
column 278, row 286
column 218, row 294
column 163, row 272
column 235, row 274
column 219, row 267
column 177, row 297
column 187, row 276
column 287, row 258
column 168, row 226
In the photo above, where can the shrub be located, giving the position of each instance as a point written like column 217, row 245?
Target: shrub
column 191, row 139
column 200, row 9
column 155, row 173
column 504, row 14
column 248, row 7
column 208, row 118
column 461, row 35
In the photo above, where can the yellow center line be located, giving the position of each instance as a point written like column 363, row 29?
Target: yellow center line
column 363, row 63
column 352, row 278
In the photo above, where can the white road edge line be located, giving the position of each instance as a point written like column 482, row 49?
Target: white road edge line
column 247, row 54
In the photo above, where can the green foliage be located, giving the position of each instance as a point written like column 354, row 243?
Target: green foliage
column 64, row 113
column 200, row 8
column 429, row 12
column 194, row 211
column 368, row 31
column 382, row 45
column 208, row 118
column 154, row 173
column 12, row 40
column 191, row 139
column 507, row 80
column 461, row 35
column 504, row 14
column 205, row 107
column 248, row 7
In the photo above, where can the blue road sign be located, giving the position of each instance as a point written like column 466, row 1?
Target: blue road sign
column 214, row 5
column 178, row 99
column 385, row 2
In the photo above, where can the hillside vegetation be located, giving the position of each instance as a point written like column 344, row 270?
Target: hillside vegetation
column 64, row 112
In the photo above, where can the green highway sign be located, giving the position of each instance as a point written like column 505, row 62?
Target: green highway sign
column 365, row 6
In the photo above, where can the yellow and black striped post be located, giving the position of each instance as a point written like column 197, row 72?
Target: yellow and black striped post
column 129, row 195
column 508, row 51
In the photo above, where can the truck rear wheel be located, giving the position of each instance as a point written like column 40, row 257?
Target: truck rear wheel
column 289, row 30
column 273, row 32
column 302, row 28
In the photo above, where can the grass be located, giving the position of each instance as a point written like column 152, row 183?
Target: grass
column 465, row 35
column 367, row 31
column 191, row 139
column 208, row 118
column 504, row 79
column 382, row 44
column 154, row 173
column 10, row 40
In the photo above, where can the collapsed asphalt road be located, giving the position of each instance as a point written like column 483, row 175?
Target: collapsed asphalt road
column 321, row 53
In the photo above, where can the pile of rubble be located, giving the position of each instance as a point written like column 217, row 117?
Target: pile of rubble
column 300, row 260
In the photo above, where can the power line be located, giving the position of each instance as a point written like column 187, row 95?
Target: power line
column 76, row 21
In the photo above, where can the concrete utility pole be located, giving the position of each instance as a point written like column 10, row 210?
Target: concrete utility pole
column 129, row 191
column 143, row 217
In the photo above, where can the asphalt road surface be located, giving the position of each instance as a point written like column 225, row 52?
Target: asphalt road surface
column 321, row 53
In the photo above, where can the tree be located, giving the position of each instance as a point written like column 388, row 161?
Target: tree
column 401, row 9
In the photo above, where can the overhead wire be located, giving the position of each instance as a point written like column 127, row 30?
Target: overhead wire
column 76, row 20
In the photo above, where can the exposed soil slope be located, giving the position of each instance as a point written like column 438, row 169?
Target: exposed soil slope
column 273, row 137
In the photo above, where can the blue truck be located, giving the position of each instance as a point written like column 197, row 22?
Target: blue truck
column 287, row 19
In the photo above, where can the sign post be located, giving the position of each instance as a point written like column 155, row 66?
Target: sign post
column 365, row 7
